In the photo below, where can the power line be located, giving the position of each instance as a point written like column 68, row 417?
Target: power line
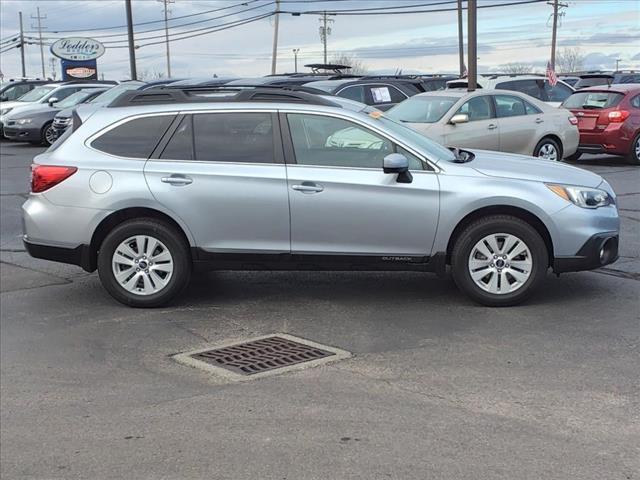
column 155, row 21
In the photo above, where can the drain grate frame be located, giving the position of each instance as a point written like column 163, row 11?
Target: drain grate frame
column 261, row 356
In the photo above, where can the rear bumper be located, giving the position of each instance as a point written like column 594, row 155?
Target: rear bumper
column 600, row 250
column 81, row 255
column 612, row 140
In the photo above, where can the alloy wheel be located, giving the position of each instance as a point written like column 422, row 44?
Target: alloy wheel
column 548, row 151
column 142, row 265
column 500, row 263
column 50, row 135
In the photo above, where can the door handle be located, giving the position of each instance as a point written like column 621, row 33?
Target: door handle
column 177, row 180
column 492, row 126
column 308, row 187
column 539, row 120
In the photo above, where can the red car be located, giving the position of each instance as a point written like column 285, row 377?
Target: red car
column 608, row 120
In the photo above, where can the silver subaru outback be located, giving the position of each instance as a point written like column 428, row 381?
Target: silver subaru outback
column 166, row 181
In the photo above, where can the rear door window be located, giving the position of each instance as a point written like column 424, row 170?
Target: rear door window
column 528, row 87
column 509, row 106
column 134, row 139
column 234, row 137
column 381, row 94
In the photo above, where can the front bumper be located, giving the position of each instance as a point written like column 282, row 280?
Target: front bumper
column 22, row 134
column 81, row 255
column 600, row 250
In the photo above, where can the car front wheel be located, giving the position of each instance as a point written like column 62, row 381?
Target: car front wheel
column 144, row 263
column 499, row 260
column 48, row 135
column 548, row 149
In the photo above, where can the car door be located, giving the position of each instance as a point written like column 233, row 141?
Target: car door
column 223, row 174
column 481, row 131
column 341, row 201
column 518, row 123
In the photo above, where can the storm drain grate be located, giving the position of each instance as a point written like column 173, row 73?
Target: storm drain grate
column 262, row 355
column 273, row 353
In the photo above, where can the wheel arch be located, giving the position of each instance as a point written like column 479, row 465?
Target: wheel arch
column 119, row 216
column 517, row 212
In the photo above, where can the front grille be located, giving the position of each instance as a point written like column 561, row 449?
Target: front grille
column 61, row 123
column 261, row 355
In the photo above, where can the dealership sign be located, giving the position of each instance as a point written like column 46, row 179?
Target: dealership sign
column 77, row 48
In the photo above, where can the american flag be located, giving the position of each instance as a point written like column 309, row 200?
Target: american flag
column 551, row 75
column 464, row 71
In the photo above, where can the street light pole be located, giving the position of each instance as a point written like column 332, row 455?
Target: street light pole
column 460, row 39
column 132, row 49
column 617, row 64
column 472, row 42
column 274, row 53
column 24, row 74
column 295, row 56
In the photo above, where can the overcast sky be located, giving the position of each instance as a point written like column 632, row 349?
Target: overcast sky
column 605, row 30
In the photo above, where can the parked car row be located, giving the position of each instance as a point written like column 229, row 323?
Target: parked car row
column 508, row 113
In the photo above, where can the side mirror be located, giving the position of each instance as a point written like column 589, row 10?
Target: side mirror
column 3, row 98
column 52, row 100
column 397, row 163
column 459, row 118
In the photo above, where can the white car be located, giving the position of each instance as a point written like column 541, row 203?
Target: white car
column 535, row 86
column 499, row 120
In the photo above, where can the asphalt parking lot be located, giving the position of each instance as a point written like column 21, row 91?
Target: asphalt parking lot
column 438, row 387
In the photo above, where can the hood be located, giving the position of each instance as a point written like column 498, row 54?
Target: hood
column 505, row 165
column 22, row 108
column 12, row 105
column 33, row 110
column 66, row 113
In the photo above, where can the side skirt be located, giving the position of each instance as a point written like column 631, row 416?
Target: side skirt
column 204, row 260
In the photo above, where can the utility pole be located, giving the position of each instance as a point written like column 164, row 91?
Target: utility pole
column 460, row 39
column 325, row 31
column 295, row 56
column 556, row 13
column 274, row 53
column 40, row 27
column 132, row 48
column 166, row 33
column 24, row 73
column 472, row 42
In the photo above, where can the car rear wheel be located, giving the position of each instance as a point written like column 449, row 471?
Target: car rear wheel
column 549, row 149
column 144, row 263
column 48, row 135
column 634, row 153
column 499, row 261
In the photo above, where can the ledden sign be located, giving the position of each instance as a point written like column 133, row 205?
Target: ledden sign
column 77, row 48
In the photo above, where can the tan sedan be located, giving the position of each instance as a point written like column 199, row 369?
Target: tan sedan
column 499, row 120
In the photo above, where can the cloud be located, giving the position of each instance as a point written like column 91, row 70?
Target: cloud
column 418, row 47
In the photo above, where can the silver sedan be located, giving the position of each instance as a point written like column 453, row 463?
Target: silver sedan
column 499, row 120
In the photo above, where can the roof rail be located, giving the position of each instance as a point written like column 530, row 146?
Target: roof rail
column 168, row 94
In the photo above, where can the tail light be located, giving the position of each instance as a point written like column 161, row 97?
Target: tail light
column 43, row 177
column 573, row 120
column 618, row 116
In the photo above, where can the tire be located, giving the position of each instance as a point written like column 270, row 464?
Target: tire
column 549, row 147
column 531, row 266
column 633, row 157
column 153, row 284
column 47, row 135
column 573, row 158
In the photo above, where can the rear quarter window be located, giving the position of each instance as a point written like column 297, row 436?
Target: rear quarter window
column 136, row 138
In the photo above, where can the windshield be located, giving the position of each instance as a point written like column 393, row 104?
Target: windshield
column 73, row 100
column 106, row 97
column 593, row 100
column 36, row 94
column 422, row 109
column 431, row 149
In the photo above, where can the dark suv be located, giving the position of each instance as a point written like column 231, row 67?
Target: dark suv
column 598, row 79
column 380, row 92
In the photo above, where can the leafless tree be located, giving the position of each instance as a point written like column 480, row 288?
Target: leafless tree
column 517, row 67
column 358, row 67
column 147, row 74
column 569, row 60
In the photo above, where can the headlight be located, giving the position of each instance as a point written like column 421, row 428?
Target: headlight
column 23, row 121
column 4, row 111
column 582, row 196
